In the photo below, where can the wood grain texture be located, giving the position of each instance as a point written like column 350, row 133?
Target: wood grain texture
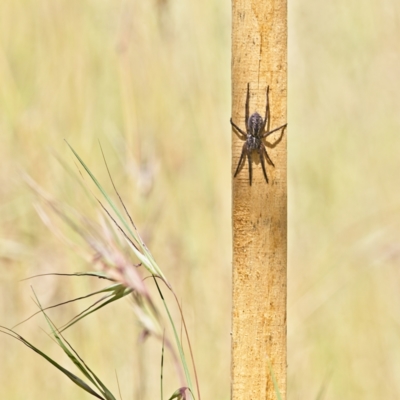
column 259, row 212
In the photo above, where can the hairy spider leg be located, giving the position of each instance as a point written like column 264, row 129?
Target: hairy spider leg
column 273, row 130
column 250, row 166
column 266, row 119
column 267, row 157
column 239, row 130
column 242, row 160
column 260, row 153
column 246, row 119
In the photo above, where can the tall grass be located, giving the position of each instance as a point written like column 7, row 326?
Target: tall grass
column 85, row 71
column 152, row 83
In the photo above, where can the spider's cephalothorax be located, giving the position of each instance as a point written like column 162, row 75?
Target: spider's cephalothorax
column 254, row 135
column 255, row 125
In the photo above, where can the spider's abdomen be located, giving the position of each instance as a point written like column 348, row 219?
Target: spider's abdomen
column 255, row 125
column 253, row 143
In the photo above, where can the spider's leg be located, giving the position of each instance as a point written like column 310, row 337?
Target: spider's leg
column 266, row 110
column 250, row 166
column 242, row 160
column 273, row 130
column 237, row 129
column 247, row 105
column 260, row 152
column 267, row 156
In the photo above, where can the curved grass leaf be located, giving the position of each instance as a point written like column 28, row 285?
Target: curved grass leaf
column 74, row 357
column 79, row 382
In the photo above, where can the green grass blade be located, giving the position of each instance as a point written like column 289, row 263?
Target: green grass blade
column 75, row 357
column 276, row 387
column 60, row 342
column 79, row 382
column 108, row 395
column 97, row 274
column 178, row 342
column 134, row 235
column 67, row 302
column 118, row 294
column 162, row 367
column 105, row 195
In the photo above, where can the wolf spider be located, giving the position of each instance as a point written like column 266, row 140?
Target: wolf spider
column 253, row 137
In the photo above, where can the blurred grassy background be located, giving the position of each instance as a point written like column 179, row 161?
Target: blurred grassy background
column 151, row 80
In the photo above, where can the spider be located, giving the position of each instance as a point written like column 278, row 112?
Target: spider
column 254, row 135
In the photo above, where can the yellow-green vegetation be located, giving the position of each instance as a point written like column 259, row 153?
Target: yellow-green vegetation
column 155, row 91
column 151, row 81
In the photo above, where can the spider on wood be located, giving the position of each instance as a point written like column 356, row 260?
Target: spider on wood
column 253, row 137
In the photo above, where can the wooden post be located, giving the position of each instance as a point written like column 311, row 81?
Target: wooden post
column 259, row 211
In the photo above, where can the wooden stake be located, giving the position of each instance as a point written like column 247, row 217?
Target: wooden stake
column 259, row 212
